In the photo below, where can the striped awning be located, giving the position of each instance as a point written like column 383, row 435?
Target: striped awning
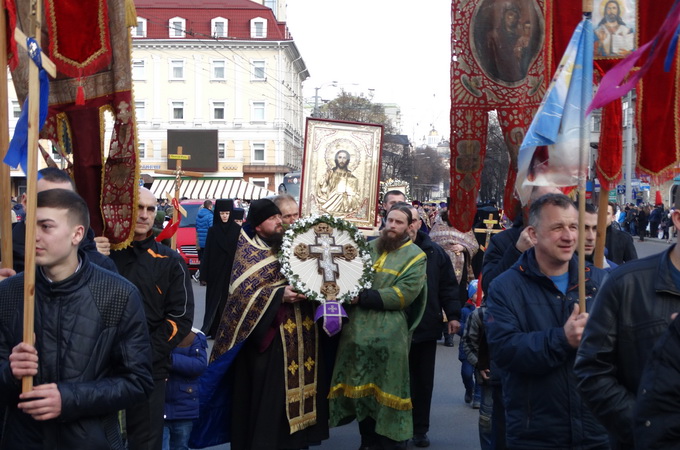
column 210, row 189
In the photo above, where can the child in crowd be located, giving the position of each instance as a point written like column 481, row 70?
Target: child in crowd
column 189, row 360
column 467, row 370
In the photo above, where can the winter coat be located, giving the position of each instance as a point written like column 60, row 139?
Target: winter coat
column 525, row 319
column 92, row 341
column 620, row 247
column 633, row 309
column 442, row 289
column 204, row 220
column 181, row 391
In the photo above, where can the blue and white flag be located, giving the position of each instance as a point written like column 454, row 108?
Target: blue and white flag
column 549, row 155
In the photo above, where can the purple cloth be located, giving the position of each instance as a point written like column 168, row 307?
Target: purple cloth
column 333, row 314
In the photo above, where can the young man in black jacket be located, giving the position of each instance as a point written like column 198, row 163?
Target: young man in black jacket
column 91, row 356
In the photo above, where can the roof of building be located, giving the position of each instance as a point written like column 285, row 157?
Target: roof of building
column 198, row 15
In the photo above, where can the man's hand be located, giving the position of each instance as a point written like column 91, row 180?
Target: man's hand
column 524, row 242
column 290, row 296
column 103, row 245
column 42, row 403
column 6, row 273
column 485, row 374
column 454, row 326
column 573, row 328
column 23, row 361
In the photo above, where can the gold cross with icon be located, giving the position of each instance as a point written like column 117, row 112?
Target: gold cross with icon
column 178, row 173
column 489, row 230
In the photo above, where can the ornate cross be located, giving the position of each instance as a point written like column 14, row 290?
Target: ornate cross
column 178, row 173
column 489, row 230
column 324, row 250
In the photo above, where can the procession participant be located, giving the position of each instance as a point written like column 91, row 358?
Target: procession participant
column 290, row 212
column 442, row 290
column 619, row 244
column 388, row 201
column 91, row 356
column 216, row 264
column 162, row 277
column 534, row 328
column 632, row 310
column 370, row 379
column 265, row 355
column 97, row 248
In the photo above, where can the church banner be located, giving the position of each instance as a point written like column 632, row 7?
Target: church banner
column 341, row 171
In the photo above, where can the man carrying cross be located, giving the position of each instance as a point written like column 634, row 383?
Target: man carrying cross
column 266, row 385
column 371, row 374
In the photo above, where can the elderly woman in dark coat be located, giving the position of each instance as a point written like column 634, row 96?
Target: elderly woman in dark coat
column 217, row 262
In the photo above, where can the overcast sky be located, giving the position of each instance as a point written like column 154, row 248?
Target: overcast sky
column 398, row 48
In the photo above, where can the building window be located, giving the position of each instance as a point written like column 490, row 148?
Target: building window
column 258, row 152
column 271, row 4
column 221, row 152
column 258, row 111
column 218, row 25
column 16, row 109
column 140, row 110
column 177, row 27
column 218, row 71
column 258, row 71
column 140, row 30
column 258, row 28
column 138, row 69
column 596, row 123
column 177, row 69
column 218, row 110
column 177, row 110
column 141, row 148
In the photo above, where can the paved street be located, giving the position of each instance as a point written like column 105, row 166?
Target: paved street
column 453, row 423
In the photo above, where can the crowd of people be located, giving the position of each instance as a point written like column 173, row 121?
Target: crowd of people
column 116, row 362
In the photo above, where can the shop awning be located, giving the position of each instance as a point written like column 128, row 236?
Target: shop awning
column 210, row 189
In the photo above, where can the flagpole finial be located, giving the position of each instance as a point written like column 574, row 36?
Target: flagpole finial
column 587, row 6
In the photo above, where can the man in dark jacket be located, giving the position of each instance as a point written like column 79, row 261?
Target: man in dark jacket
column 619, row 244
column 442, row 291
column 534, row 328
column 163, row 279
column 91, row 354
column 632, row 310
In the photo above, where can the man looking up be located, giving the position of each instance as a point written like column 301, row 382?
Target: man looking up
column 91, row 355
column 370, row 379
column 534, row 328
column 442, row 295
column 163, row 279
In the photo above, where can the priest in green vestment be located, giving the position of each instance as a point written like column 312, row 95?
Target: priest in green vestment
column 371, row 375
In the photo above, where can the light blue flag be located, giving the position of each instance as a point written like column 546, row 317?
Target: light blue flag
column 549, row 155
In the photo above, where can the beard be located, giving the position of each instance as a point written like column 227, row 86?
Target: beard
column 611, row 18
column 389, row 242
column 274, row 240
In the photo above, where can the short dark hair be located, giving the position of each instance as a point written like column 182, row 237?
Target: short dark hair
column 392, row 192
column 590, row 208
column 68, row 200
column 56, row 176
column 613, row 205
column 207, row 203
column 559, row 200
column 403, row 207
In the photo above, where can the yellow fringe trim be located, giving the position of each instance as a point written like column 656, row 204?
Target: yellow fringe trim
column 130, row 14
column 368, row 390
column 302, row 422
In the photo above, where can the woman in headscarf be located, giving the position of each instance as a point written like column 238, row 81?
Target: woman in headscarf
column 218, row 258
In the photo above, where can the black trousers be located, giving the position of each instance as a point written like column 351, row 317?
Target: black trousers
column 144, row 421
column 422, row 358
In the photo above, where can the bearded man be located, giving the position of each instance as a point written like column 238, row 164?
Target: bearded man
column 371, row 375
column 613, row 37
column 339, row 190
column 264, row 387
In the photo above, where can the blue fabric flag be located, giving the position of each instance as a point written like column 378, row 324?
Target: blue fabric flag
column 17, row 154
column 549, row 155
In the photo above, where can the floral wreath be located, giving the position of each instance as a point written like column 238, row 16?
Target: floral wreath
column 302, row 226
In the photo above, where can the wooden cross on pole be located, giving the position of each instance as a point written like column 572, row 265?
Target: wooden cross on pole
column 489, row 230
column 178, row 173
column 32, row 171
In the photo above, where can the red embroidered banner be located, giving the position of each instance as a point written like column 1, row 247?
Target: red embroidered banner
column 499, row 63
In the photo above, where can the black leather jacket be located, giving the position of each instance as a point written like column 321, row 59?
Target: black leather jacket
column 632, row 309
column 92, row 341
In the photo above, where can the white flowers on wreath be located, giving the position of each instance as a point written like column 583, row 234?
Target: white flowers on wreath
column 302, row 226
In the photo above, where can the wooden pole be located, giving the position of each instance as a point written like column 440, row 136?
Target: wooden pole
column 603, row 204
column 5, row 179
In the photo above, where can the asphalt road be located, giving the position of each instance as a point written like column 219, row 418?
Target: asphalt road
column 453, row 424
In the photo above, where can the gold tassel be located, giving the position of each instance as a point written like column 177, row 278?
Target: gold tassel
column 130, row 13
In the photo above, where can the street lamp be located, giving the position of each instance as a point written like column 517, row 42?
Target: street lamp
column 316, row 96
